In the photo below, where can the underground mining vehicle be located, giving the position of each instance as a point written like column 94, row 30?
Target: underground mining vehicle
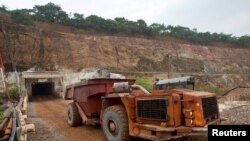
column 126, row 110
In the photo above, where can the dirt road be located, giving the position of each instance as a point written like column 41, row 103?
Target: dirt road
column 49, row 116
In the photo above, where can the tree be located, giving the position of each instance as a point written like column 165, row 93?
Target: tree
column 158, row 29
column 22, row 16
column 78, row 21
column 95, row 22
column 121, row 24
column 131, row 27
column 142, row 26
column 51, row 13
column 110, row 26
column 3, row 9
column 244, row 40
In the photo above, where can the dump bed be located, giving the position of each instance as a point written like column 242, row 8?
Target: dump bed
column 88, row 93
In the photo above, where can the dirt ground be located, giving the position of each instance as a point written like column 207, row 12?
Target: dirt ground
column 235, row 107
column 49, row 116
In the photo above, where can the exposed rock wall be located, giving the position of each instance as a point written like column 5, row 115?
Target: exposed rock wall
column 66, row 48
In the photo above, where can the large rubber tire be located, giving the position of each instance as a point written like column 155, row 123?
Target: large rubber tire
column 74, row 119
column 115, row 123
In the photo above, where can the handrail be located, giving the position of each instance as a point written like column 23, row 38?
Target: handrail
column 21, row 111
column 14, row 127
column 20, row 128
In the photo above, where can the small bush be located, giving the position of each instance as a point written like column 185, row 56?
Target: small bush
column 14, row 93
column 1, row 114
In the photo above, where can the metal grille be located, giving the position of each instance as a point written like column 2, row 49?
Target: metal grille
column 153, row 109
column 209, row 106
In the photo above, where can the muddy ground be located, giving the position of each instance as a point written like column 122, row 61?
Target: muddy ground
column 49, row 116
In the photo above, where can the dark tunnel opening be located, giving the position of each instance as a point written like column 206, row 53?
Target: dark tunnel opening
column 44, row 88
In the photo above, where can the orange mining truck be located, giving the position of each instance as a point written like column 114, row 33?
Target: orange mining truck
column 126, row 110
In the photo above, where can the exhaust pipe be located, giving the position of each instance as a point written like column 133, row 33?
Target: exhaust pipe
column 141, row 88
column 124, row 87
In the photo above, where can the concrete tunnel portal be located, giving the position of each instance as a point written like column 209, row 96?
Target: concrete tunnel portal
column 42, row 88
column 43, row 83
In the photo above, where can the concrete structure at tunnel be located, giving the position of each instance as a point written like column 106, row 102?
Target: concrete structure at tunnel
column 43, row 82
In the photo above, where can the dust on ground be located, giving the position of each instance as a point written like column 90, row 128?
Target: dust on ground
column 235, row 107
column 49, row 116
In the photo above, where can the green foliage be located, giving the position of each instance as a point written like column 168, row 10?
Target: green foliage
column 3, row 9
column 1, row 113
column 210, row 88
column 2, row 98
column 95, row 22
column 141, row 26
column 78, row 21
column 243, row 40
column 51, row 13
column 144, row 82
column 22, row 16
column 54, row 14
column 14, row 93
column 158, row 29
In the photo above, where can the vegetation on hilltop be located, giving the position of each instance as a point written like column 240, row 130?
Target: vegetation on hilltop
column 53, row 13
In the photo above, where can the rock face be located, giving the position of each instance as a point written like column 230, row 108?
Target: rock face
column 58, row 47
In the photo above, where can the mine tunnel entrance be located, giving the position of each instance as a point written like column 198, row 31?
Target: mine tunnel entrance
column 43, row 88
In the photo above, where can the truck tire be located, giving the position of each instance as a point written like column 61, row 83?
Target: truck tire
column 74, row 119
column 115, row 123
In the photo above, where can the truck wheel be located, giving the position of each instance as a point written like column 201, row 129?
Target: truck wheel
column 74, row 119
column 115, row 123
